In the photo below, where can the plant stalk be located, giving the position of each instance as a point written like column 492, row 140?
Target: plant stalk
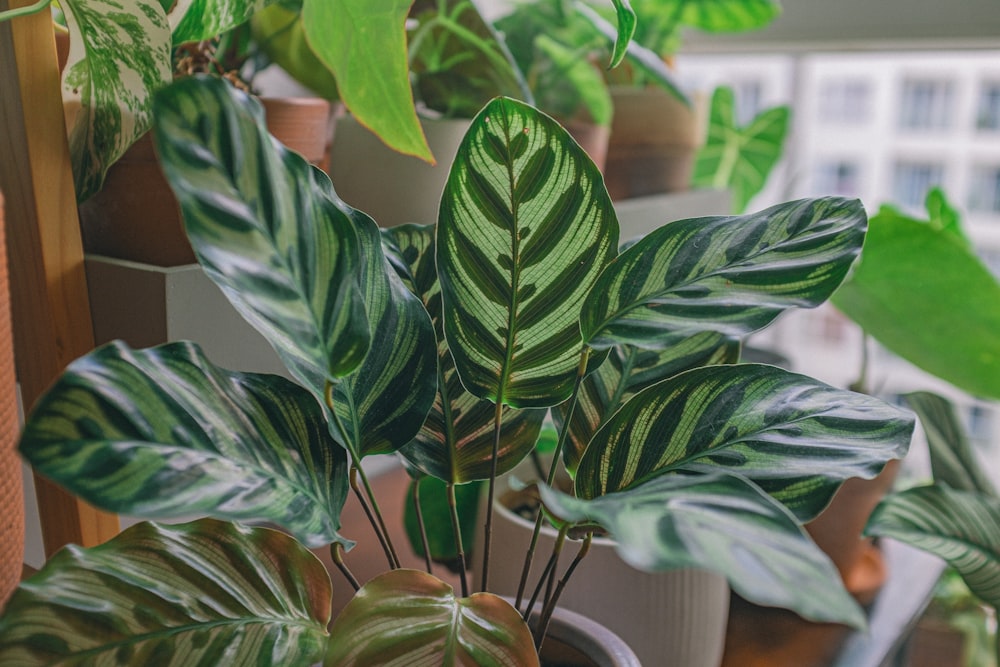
column 550, row 605
column 423, row 527
column 24, row 11
column 337, row 554
column 550, row 568
column 456, row 526
column 382, row 538
column 488, row 530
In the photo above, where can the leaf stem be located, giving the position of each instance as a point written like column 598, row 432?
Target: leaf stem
column 337, row 554
column 377, row 526
column 415, row 497
column 24, row 11
column 549, row 568
column 488, row 530
column 550, row 605
column 456, row 527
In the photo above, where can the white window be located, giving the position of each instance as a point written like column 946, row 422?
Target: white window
column 988, row 112
column 837, row 177
column 985, row 194
column 912, row 180
column 926, row 104
column 749, row 100
column 845, row 101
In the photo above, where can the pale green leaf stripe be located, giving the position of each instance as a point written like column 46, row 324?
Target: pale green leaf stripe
column 961, row 527
column 794, row 436
column 629, row 370
column 724, row 524
column 524, row 228
column 728, row 15
column 266, row 227
column 197, row 20
column 119, row 56
column 442, row 629
column 732, row 275
column 385, row 401
column 162, row 433
column 195, row 595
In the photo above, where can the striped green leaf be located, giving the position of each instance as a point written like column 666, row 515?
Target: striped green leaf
column 739, row 158
column 119, row 56
column 721, row 523
column 732, row 275
column 383, row 404
column 627, row 371
column 455, row 443
column 202, row 593
column 407, row 617
column 197, row 20
column 267, row 228
column 796, row 437
column 524, row 228
column 626, row 28
column 163, row 433
column 961, row 527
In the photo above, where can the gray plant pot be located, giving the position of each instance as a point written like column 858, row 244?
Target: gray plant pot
column 573, row 639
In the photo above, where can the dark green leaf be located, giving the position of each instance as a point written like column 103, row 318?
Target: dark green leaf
column 202, row 593
column 626, row 28
column 437, row 518
column 163, row 433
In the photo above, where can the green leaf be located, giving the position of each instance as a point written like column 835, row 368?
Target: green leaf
column 739, row 158
column 626, row 28
column 944, row 216
column 437, row 518
column 962, row 527
column 279, row 33
column 723, row 15
column 732, row 275
column 572, row 85
column 119, row 56
column 921, row 292
column 721, row 523
column 952, row 460
column 408, row 617
column 363, row 42
column 162, row 433
column 627, row 371
column 795, row 437
column 267, row 228
column 204, row 19
column 201, row 593
column 525, row 226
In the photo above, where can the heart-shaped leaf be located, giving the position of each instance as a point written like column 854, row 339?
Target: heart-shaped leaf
column 524, row 228
column 267, row 228
column 408, row 617
column 794, row 436
column 722, row 523
column 202, row 593
column 163, row 433
column 732, row 275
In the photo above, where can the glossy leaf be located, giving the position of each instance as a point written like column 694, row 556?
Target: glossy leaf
column 721, row 523
column 629, row 370
column 197, row 20
column 524, row 228
column 732, row 275
column 119, row 56
column 922, row 293
column 363, row 42
column 267, row 228
column 437, row 518
column 626, row 29
column 795, row 437
column 162, row 433
column 962, row 527
column 739, row 158
column 407, row 617
column 202, row 593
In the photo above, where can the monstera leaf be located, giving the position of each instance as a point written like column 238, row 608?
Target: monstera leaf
column 205, row 593
column 796, row 437
column 163, row 433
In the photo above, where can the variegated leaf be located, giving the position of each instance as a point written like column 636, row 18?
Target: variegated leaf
column 197, row 20
column 962, row 527
column 267, row 228
column 163, row 433
column 202, row 593
column 119, row 56
column 732, row 275
column 524, row 228
column 629, row 370
column 794, row 436
column 407, row 617
column 721, row 523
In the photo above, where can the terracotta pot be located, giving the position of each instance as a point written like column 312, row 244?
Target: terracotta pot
column 573, row 640
column 135, row 215
column 936, row 644
column 654, row 138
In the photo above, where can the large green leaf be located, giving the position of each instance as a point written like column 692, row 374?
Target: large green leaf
column 721, row 523
column 629, row 370
column 267, row 227
column 626, row 29
column 202, row 593
column 119, row 56
column 796, row 437
column 197, row 20
column 163, row 433
column 437, row 518
column 962, row 527
column 363, row 42
column 280, row 34
column 732, row 275
column 524, row 228
column 921, row 292
column 739, row 158
column 660, row 21
column 406, row 617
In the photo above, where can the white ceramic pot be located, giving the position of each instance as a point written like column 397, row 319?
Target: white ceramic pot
column 574, row 639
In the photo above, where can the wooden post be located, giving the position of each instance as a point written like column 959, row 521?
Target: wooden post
column 49, row 302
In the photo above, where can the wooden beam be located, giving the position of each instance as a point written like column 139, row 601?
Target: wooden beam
column 49, row 302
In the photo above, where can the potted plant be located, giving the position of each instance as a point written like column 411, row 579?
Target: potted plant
column 716, row 466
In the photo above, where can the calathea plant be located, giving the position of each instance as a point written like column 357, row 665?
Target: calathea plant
column 529, row 305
